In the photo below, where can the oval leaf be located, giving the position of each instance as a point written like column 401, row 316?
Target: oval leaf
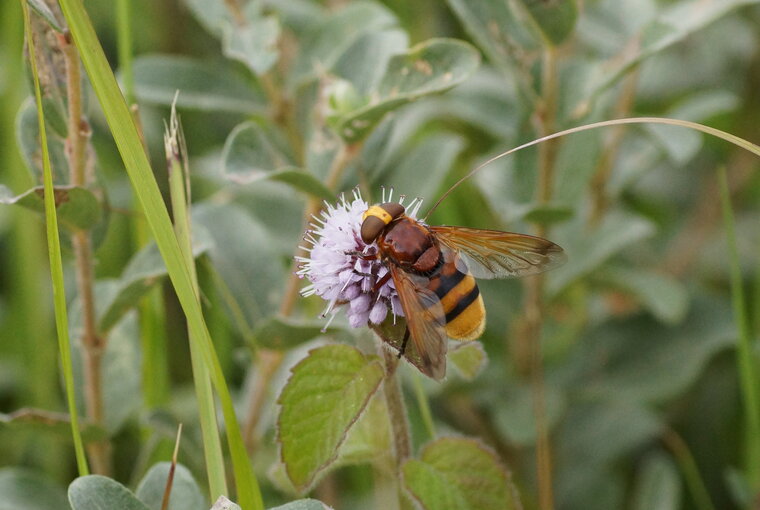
column 77, row 208
column 185, row 493
column 323, row 398
column 95, row 492
column 202, row 85
column 303, row 504
column 455, row 473
column 224, row 504
column 431, row 67
column 254, row 42
column 22, row 488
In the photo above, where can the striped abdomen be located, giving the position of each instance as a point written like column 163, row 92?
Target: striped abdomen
column 461, row 300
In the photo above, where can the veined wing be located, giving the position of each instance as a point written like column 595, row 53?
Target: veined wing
column 496, row 254
column 426, row 322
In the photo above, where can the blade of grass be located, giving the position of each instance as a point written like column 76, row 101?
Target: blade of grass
column 176, row 156
column 124, row 47
column 56, row 264
column 135, row 160
column 745, row 350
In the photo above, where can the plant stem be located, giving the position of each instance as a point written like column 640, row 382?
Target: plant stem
column 422, row 402
column 93, row 344
column 396, row 409
column 534, row 286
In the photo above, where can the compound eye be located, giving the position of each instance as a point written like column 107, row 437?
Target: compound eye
column 371, row 228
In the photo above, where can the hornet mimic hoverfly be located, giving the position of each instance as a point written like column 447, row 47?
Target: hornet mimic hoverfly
column 434, row 269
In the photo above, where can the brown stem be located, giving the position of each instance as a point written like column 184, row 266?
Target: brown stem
column 94, row 345
column 534, row 303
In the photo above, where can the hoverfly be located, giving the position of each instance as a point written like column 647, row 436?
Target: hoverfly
column 434, row 269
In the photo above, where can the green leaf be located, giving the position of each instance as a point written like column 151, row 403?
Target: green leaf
column 185, row 494
column 370, row 438
column 95, row 492
column 325, row 395
column 662, row 295
column 554, row 18
column 244, row 257
column 253, row 43
column 77, row 207
column 285, row 333
column 30, row 490
column 328, row 40
column 250, row 156
column 492, row 24
column 456, row 473
column 547, row 214
column 303, row 504
column 431, row 67
column 674, row 25
column 514, row 415
column 144, row 270
column 28, row 139
column 469, row 359
column 588, row 250
column 205, row 86
column 658, row 484
column 363, row 63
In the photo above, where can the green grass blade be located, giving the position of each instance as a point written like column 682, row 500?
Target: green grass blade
column 56, row 264
column 135, row 160
column 124, row 44
column 176, row 156
column 745, row 350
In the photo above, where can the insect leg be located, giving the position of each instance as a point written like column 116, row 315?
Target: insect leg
column 403, row 342
column 381, row 281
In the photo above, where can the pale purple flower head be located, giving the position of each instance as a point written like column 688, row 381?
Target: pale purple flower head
column 343, row 270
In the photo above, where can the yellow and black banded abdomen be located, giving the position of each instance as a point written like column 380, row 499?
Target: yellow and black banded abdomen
column 461, row 300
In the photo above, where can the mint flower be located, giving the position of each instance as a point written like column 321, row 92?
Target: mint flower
column 343, row 270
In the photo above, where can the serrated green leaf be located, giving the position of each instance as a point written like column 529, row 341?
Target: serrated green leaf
column 30, row 490
column 303, row 504
column 456, row 473
column 144, row 270
column 286, row 333
column 430, row 67
column 95, row 492
column 325, row 395
column 658, row 484
column 587, row 250
column 77, row 208
column 370, row 438
column 185, row 493
column 666, row 298
column 554, row 18
column 206, row 86
column 250, row 156
column 469, row 359
column 253, row 43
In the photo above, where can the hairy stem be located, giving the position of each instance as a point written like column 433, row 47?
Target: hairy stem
column 94, row 345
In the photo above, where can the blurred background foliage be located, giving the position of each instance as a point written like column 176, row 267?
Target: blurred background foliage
column 288, row 101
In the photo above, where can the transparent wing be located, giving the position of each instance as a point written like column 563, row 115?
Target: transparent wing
column 496, row 254
column 426, row 322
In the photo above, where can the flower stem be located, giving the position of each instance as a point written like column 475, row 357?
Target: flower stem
column 94, row 345
column 396, row 409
